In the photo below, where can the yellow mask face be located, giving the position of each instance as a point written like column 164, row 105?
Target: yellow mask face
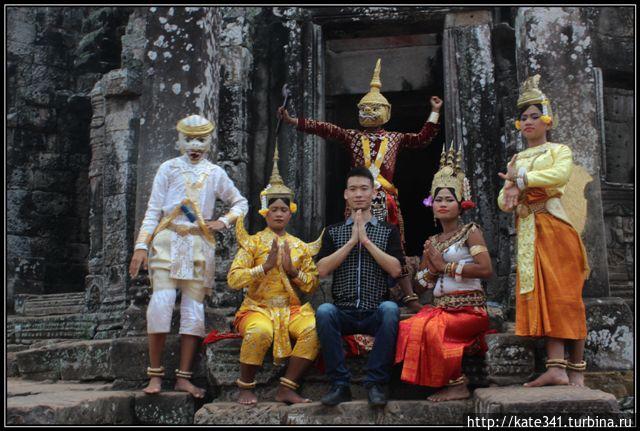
column 373, row 115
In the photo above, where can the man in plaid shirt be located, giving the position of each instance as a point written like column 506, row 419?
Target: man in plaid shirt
column 362, row 253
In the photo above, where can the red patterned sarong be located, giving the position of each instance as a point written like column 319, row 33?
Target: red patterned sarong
column 431, row 343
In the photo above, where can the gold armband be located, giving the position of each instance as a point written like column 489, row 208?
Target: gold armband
column 477, row 249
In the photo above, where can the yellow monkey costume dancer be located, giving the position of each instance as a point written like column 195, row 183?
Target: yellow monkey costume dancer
column 271, row 311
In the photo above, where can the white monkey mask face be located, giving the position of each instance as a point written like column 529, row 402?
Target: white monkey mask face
column 194, row 147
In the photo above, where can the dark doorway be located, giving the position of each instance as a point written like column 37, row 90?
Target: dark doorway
column 410, row 109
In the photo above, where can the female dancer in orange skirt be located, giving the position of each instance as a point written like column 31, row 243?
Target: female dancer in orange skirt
column 552, row 263
column 431, row 343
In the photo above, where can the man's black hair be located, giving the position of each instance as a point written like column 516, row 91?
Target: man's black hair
column 359, row 171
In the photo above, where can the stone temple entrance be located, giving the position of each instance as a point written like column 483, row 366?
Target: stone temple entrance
column 411, row 73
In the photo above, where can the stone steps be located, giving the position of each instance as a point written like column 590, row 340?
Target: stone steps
column 95, row 403
column 101, row 403
column 48, row 305
column 29, row 329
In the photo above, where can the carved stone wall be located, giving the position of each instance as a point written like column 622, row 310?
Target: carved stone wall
column 49, row 76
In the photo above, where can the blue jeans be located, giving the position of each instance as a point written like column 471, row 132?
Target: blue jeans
column 332, row 323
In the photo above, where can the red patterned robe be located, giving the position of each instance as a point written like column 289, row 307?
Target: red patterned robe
column 352, row 140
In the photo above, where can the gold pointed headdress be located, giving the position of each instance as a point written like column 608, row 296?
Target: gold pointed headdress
column 530, row 94
column 451, row 175
column 276, row 189
column 374, row 96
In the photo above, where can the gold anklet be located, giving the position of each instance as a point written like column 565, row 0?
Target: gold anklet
column 580, row 366
column 243, row 385
column 184, row 374
column 556, row 363
column 289, row 383
column 456, row 382
column 155, row 372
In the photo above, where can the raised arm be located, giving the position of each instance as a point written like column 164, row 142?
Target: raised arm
column 320, row 128
column 429, row 131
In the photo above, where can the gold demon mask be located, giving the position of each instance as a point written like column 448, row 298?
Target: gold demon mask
column 374, row 109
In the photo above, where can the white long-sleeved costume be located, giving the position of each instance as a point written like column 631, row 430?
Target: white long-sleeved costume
column 180, row 259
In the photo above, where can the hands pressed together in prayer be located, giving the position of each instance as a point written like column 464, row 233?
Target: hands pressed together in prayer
column 432, row 259
column 511, row 192
column 358, row 232
column 285, row 259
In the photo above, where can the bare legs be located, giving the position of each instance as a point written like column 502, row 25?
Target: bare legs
column 247, row 375
column 448, row 393
column 156, row 345
column 295, row 370
column 553, row 375
column 576, row 355
column 188, row 347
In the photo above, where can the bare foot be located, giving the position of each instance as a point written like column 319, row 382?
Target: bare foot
column 576, row 378
column 448, row 393
column 185, row 385
column 154, row 386
column 553, row 376
column 247, row 397
column 286, row 395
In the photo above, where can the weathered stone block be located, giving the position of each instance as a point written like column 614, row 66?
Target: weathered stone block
column 550, row 400
column 167, row 408
column 236, row 414
column 609, row 344
column 86, row 360
column 618, row 383
column 123, row 83
column 129, row 359
column 223, row 366
column 71, row 407
column 510, row 359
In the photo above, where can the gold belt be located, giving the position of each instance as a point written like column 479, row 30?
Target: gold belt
column 523, row 210
column 475, row 298
column 277, row 301
column 183, row 230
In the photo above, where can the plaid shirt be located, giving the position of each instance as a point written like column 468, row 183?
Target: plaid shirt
column 359, row 281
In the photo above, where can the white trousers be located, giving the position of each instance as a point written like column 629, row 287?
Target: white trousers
column 160, row 310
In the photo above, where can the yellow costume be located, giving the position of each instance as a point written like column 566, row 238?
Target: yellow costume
column 552, row 262
column 271, row 310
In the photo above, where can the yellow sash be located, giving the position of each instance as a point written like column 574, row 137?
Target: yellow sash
column 384, row 146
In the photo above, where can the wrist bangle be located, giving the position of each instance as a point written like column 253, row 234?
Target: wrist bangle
column 458, row 276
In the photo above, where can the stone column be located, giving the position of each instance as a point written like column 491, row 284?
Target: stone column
column 556, row 43
column 311, row 192
column 470, row 113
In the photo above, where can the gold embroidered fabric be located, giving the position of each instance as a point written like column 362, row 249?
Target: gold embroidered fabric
column 471, row 299
column 462, row 235
column 272, row 294
column 549, row 166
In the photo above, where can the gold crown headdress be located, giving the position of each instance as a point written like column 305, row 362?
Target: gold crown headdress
column 451, row 175
column 275, row 189
column 195, row 126
column 374, row 96
column 530, row 94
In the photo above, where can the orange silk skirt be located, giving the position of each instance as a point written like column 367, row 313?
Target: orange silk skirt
column 431, row 343
column 554, row 308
